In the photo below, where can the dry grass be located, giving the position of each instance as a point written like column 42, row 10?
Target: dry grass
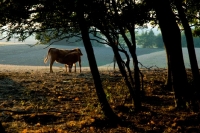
column 37, row 101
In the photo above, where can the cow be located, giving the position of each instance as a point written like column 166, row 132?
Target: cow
column 114, row 58
column 64, row 56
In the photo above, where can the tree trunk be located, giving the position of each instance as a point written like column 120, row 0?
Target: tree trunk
column 169, row 73
column 114, row 63
column 121, row 66
column 172, row 40
column 136, row 84
column 108, row 112
column 191, row 50
column 2, row 130
column 132, row 50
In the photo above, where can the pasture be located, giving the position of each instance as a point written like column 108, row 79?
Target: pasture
column 39, row 101
column 23, row 54
column 34, row 100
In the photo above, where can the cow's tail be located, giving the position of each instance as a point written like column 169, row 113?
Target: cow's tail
column 46, row 59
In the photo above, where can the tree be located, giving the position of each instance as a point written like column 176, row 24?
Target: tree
column 118, row 23
column 147, row 39
column 172, row 42
column 190, row 46
column 159, row 41
column 191, row 9
column 93, row 65
column 112, row 35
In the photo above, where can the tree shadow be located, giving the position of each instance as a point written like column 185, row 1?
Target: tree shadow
column 42, row 119
column 108, row 124
column 193, row 120
column 157, row 101
column 13, row 92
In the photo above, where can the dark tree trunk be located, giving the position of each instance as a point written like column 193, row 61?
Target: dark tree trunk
column 128, row 78
column 172, row 40
column 169, row 73
column 121, row 66
column 191, row 51
column 2, row 130
column 114, row 63
column 190, row 43
column 132, row 50
column 108, row 112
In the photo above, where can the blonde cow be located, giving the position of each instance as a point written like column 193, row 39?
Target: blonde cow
column 67, row 57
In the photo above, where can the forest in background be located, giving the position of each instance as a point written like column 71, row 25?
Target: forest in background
column 151, row 40
column 144, row 39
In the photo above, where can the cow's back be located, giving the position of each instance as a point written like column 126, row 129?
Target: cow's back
column 65, row 56
column 71, row 58
column 56, row 54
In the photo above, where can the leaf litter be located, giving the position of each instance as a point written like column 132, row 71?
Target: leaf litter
column 67, row 102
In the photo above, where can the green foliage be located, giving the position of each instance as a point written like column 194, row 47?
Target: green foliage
column 196, row 40
column 150, row 40
column 147, row 39
column 196, row 32
column 34, row 16
column 159, row 41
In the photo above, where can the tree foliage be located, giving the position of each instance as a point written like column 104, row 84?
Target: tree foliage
column 45, row 38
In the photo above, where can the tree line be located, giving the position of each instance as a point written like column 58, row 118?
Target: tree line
column 149, row 39
column 144, row 39
column 115, row 20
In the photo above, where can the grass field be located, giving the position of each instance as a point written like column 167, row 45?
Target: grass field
column 33, row 56
column 32, row 100
column 39, row 102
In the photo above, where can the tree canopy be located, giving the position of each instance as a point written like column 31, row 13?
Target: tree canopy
column 59, row 18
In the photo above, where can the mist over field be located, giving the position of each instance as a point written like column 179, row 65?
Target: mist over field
column 23, row 54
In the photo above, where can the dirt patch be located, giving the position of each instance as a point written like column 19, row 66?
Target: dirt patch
column 35, row 100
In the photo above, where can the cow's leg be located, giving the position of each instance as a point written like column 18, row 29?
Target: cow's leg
column 66, row 67
column 70, row 68
column 79, row 62
column 51, row 64
column 75, row 67
column 114, row 62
